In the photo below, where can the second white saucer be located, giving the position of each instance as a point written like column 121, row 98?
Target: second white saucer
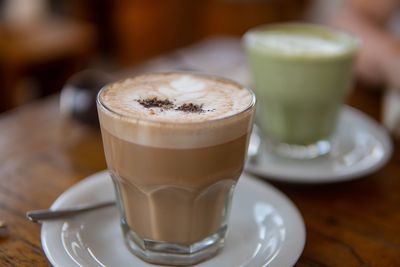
column 361, row 146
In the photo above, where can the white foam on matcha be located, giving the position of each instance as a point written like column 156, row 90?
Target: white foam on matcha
column 292, row 44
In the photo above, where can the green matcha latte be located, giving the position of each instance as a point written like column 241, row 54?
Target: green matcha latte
column 302, row 75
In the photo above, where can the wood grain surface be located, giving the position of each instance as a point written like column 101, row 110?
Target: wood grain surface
column 42, row 154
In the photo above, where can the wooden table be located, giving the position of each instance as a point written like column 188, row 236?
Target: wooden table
column 42, row 154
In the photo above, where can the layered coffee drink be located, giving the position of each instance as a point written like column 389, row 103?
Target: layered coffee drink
column 175, row 145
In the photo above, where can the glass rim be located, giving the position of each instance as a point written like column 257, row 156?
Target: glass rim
column 194, row 73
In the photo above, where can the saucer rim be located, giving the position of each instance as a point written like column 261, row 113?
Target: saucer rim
column 381, row 135
column 286, row 204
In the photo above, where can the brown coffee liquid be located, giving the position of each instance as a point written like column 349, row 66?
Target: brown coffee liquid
column 174, row 195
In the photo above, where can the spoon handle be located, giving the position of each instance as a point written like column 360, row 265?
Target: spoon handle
column 43, row 215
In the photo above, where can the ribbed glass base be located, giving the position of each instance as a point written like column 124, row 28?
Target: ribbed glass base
column 174, row 254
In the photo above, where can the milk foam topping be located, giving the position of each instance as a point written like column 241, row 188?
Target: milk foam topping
column 217, row 98
column 176, row 110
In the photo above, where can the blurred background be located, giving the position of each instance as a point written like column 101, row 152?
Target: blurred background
column 43, row 42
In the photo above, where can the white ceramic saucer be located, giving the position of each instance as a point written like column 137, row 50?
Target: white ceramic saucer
column 265, row 229
column 361, row 146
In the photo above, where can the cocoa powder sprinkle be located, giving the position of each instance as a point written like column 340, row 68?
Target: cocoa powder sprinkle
column 154, row 102
column 190, row 107
column 165, row 104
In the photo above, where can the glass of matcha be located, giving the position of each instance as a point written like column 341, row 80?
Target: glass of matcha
column 302, row 75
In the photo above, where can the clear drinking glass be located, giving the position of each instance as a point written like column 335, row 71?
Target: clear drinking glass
column 174, row 185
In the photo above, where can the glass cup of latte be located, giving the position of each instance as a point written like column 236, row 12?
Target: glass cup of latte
column 175, row 145
column 302, row 75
